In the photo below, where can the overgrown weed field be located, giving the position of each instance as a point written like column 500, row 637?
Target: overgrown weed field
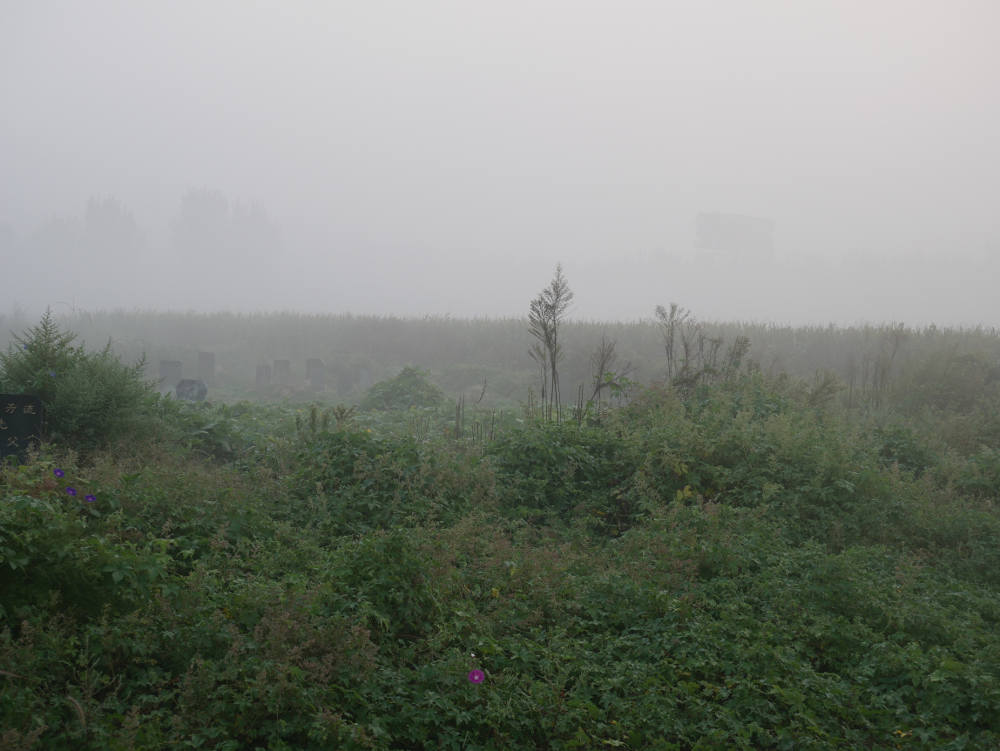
column 738, row 562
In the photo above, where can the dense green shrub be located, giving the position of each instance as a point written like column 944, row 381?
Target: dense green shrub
column 949, row 381
column 566, row 470
column 383, row 576
column 748, row 443
column 411, row 388
column 353, row 481
column 55, row 549
column 45, row 552
column 746, row 568
column 981, row 475
column 901, row 446
column 220, row 432
column 91, row 399
column 968, row 432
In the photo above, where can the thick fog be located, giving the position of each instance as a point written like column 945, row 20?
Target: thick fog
column 440, row 158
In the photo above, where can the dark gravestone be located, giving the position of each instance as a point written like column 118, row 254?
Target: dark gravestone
column 20, row 424
column 192, row 390
column 365, row 380
column 170, row 374
column 345, row 379
column 315, row 374
column 263, row 377
column 206, row 367
column 283, row 372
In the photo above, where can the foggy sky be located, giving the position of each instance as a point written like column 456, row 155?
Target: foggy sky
column 440, row 157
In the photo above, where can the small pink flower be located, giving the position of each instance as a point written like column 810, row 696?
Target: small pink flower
column 477, row 676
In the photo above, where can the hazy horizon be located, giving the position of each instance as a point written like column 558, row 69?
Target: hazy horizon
column 440, row 158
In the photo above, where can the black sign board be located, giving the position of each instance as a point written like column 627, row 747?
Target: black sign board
column 20, row 424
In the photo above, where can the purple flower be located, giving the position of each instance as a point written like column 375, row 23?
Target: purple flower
column 52, row 373
column 71, row 491
column 477, row 676
column 58, row 472
column 90, row 498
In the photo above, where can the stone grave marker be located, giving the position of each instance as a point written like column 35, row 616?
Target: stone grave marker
column 365, row 379
column 192, row 390
column 206, row 367
column 263, row 377
column 20, row 424
column 283, row 372
column 315, row 374
column 170, row 374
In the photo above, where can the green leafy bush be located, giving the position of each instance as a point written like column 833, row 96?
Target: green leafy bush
column 968, row 432
column 354, row 482
column 903, row 447
column 981, row 475
column 411, row 388
column 384, row 576
column 749, row 569
column 565, row 469
column 949, row 381
column 90, row 399
column 54, row 548
column 220, row 432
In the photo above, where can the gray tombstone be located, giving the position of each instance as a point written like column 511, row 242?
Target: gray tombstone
column 170, row 374
column 20, row 425
column 192, row 390
column 283, row 372
column 364, row 378
column 263, row 377
column 315, row 374
column 206, row 367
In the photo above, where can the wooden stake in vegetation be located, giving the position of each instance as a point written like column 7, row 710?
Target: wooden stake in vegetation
column 544, row 317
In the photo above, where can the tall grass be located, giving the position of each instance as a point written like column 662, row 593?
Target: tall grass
column 362, row 350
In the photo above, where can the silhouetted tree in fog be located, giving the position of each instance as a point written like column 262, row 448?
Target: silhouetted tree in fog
column 202, row 222
column 109, row 229
column 544, row 317
column 218, row 237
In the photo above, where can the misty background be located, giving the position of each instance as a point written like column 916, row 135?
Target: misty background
column 439, row 158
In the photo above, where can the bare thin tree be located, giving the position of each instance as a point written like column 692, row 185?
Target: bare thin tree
column 603, row 362
column 670, row 323
column 544, row 318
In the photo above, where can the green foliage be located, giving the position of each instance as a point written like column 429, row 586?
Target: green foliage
column 219, row 432
column 950, row 381
column 980, row 475
column 903, row 447
column 90, row 399
column 53, row 548
column 564, row 470
column 734, row 564
column 383, row 577
column 411, row 388
column 37, row 357
column 355, row 481
column 968, row 432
